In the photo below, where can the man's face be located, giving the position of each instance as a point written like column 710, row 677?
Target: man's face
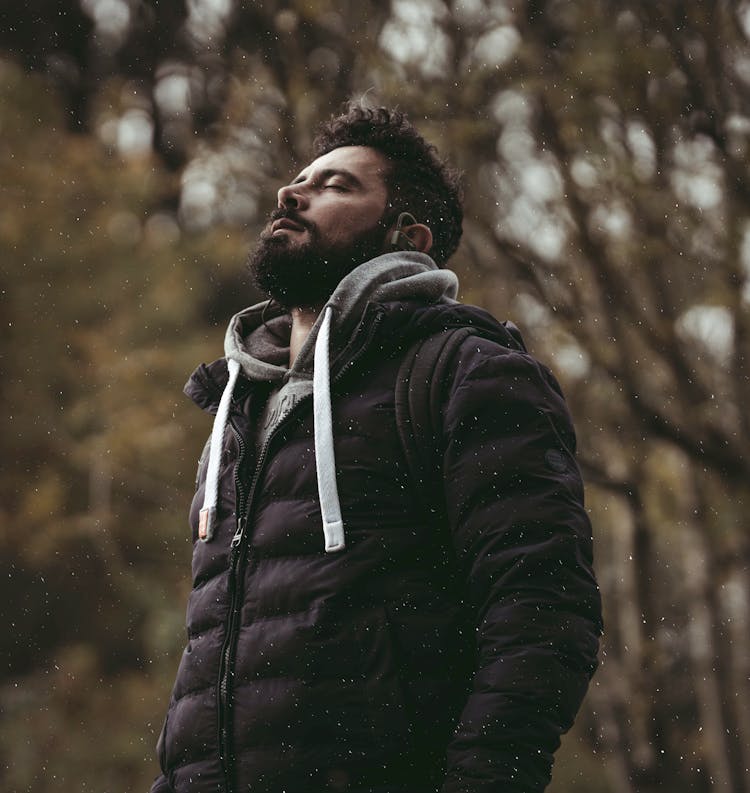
column 329, row 221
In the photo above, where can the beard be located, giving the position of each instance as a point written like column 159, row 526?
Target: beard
column 303, row 276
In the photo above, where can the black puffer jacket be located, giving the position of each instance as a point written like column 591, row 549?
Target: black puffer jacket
column 429, row 654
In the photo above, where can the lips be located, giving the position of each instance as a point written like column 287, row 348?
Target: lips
column 286, row 224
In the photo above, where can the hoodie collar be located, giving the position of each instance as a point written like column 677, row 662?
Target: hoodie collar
column 258, row 337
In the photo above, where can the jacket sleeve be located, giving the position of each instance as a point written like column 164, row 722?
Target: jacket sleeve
column 523, row 540
column 161, row 785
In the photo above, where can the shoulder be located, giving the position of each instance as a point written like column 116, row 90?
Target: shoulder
column 206, row 384
column 465, row 346
column 484, row 367
column 464, row 362
column 482, row 351
column 412, row 321
column 479, row 359
column 504, row 386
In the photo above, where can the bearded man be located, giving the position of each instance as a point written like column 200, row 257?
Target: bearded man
column 347, row 630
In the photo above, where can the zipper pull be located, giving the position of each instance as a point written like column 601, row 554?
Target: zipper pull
column 241, row 523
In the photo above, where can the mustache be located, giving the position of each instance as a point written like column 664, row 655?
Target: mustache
column 288, row 214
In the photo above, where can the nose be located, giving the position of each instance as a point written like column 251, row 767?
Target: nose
column 291, row 196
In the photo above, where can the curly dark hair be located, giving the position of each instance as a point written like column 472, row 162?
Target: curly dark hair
column 419, row 181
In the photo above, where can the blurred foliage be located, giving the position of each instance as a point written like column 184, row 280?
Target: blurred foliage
column 107, row 307
column 605, row 146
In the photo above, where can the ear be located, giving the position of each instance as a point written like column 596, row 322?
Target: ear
column 420, row 236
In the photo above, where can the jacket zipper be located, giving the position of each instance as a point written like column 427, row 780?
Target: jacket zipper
column 227, row 650
column 238, row 558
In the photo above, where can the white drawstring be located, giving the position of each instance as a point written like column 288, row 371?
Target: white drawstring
column 325, row 462
column 207, row 521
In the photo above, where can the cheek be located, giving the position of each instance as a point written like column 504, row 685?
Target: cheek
column 354, row 224
column 341, row 231
column 343, row 225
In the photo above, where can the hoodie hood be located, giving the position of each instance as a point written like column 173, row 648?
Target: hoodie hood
column 258, row 337
column 258, row 346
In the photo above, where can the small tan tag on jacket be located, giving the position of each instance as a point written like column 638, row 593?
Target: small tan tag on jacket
column 203, row 524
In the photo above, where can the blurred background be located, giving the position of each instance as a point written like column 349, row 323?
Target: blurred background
column 605, row 146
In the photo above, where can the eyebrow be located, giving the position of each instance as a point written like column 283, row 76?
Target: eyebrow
column 326, row 174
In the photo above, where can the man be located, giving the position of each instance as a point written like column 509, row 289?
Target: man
column 343, row 635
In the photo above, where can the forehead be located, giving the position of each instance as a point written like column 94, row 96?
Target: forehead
column 367, row 165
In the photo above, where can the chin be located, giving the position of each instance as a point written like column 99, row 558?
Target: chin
column 284, row 240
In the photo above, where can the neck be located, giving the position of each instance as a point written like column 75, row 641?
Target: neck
column 302, row 321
